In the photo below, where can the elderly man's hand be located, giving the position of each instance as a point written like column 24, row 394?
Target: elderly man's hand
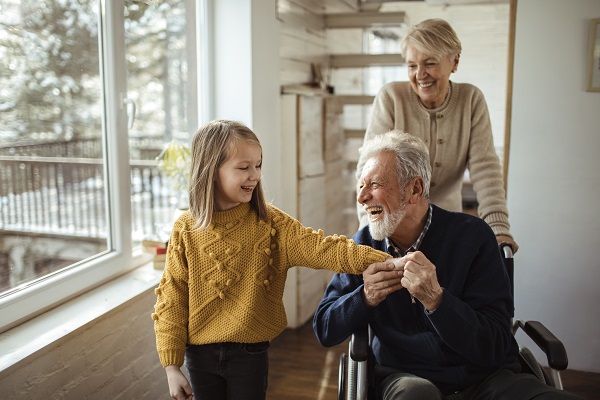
column 381, row 279
column 420, row 279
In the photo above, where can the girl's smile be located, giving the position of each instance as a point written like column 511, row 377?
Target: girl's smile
column 238, row 176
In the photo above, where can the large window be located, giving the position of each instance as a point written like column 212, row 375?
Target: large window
column 160, row 65
column 90, row 92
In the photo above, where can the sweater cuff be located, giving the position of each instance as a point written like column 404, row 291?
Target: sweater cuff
column 376, row 256
column 171, row 357
column 499, row 223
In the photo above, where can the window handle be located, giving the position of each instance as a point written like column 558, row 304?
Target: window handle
column 131, row 108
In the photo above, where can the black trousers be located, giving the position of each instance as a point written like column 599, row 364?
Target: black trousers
column 228, row 371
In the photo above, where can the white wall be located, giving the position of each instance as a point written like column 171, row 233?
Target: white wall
column 554, row 175
column 246, row 76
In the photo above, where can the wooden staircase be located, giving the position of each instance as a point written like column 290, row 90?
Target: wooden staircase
column 361, row 21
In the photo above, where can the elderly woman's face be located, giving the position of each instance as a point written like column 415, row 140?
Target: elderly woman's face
column 429, row 76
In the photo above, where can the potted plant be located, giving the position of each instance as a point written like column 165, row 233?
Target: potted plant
column 174, row 164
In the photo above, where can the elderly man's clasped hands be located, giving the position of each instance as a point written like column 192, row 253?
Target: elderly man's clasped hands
column 413, row 272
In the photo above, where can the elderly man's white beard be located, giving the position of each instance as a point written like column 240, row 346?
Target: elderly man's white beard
column 386, row 226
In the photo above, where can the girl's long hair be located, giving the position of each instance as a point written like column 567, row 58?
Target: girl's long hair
column 212, row 145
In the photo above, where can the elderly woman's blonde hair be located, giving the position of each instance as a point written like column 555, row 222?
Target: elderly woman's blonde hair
column 434, row 37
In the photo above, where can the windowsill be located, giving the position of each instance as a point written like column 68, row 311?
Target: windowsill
column 47, row 330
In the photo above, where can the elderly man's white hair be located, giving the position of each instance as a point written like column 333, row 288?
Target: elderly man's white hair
column 412, row 155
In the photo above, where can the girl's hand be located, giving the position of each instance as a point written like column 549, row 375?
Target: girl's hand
column 179, row 387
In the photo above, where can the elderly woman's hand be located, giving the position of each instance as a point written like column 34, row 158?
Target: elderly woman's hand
column 381, row 279
column 503, row 239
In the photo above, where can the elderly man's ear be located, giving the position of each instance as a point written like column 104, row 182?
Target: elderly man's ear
column 416, row 189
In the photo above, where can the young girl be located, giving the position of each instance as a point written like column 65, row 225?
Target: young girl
column 219, row 302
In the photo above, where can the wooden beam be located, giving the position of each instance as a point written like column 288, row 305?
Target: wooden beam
column 364, row 20
column 359, row 99
column 509, row 86
column 354, row 133
column 365, row 60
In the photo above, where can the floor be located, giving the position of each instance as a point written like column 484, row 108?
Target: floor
column 300, row 369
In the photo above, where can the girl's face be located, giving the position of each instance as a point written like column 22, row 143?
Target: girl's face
column 238, row 176
column 430, row 76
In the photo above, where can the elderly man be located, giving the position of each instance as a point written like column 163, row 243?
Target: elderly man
column 441, row 320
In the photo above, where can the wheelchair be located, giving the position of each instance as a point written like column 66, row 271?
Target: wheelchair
column 358, row 376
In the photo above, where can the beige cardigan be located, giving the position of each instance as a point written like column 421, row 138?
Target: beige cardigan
column 459, row 136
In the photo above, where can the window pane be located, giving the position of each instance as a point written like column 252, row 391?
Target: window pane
column 156, row 36
column 52, row 188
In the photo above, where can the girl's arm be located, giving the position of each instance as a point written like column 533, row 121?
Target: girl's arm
column 171, row 308
column 310, row 248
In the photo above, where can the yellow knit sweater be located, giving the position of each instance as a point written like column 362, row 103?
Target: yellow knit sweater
column 225, row 283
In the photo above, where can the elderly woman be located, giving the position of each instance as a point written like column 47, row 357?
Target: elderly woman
column 451, row 118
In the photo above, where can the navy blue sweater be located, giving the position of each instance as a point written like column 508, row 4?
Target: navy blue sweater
column 459, row 344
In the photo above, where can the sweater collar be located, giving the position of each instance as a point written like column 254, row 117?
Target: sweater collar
column 233, row 214
column 444, row 108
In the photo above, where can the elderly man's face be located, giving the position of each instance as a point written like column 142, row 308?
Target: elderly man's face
column 381, row 195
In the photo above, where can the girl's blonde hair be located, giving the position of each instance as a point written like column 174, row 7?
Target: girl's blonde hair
column 212, row 145
column 434, row 37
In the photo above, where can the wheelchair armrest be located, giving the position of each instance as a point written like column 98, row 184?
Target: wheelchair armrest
column 547, row 342
column 359, row 345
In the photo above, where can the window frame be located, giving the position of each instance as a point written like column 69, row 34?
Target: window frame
column 120, row 258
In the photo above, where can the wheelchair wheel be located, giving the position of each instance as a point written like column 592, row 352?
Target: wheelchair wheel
column 533, row 365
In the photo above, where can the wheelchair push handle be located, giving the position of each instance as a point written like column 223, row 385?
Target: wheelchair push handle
column 507, row 250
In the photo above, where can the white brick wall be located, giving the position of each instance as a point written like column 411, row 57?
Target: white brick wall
column 114, row 357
